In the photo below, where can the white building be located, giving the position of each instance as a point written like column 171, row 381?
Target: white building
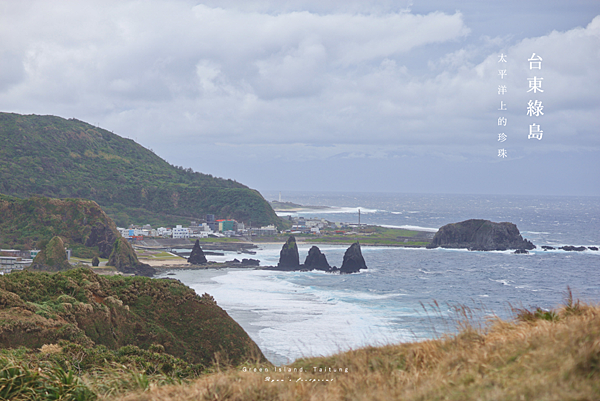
column 164, row 232
column 137, row 232
column 268, row 230
column 181, row 232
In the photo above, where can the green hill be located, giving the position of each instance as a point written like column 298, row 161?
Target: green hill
column 84, row 308
column 82, row 225
column 59, row 158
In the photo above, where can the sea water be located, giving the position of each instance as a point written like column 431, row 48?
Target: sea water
column 409, row 294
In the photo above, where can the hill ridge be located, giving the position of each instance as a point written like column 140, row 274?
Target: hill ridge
column 64, row 158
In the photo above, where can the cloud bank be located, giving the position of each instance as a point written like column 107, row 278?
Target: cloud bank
column 299, row 82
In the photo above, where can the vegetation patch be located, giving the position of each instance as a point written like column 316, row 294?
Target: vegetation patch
column 32, row 223
column 84, row 308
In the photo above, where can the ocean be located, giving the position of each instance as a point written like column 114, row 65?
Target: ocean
column 408, row 294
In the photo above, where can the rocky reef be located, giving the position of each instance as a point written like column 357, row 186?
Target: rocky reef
column 288, row 256
column 52, row 258
column 124, row 259
column 353, row 260
column 316, row 260
column 572, row 248
column 480, row 235
column 197, row 256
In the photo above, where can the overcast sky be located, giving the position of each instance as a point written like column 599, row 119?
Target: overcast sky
column 342, row 95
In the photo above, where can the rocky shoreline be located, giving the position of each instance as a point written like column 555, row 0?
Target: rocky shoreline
column 474, row 235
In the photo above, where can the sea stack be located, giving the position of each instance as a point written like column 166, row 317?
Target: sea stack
column 53, row 258
column 288, row 257
column 197, row 256
column 124, row 259
column 316, row 260
column 480, row 235
column 353, row 260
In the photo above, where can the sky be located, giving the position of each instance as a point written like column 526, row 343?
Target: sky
column 341, row 95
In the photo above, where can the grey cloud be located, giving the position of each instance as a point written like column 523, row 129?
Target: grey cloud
column 301, row 81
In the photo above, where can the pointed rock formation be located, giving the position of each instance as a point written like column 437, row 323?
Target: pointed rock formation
column 53, row 258
column 288, row 257
column 480, row 235
column 315, row 260
column 197, row 256
column 124, row 259
column 353, row 260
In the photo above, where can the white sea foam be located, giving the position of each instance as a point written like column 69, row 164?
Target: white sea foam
column 329, row 210
column 408, row 227
column 502, row 281
column 294, row 321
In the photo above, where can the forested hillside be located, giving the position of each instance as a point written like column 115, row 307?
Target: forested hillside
column 31, row 223
column 55, row 157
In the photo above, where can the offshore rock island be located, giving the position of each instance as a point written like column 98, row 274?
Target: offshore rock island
column 480, row 235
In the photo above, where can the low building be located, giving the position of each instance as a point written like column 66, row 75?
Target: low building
column 228, row 225
column 212, row 223
column 9, row 260
column 264, row 231
column 181, row 232
column 164, row 232
column 10, row 252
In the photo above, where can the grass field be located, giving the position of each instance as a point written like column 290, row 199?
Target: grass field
column 369, row 235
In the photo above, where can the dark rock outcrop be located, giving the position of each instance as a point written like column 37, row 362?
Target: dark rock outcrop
column 197, row 256
column 521, row 251
column 53, row 258
column 124, row 259
column 103, row 235
column 250, row 262
column 315, row 260
column 573, row 248
column 593, row 248
column 480, row 235
column 547, row 248
column 353, row 260
column 288, row 257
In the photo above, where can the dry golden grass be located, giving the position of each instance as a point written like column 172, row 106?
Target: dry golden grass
column 530, row 358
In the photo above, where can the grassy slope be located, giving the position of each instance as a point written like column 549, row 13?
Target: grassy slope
column 60, row 158
column 83, row 308
column 531, row 359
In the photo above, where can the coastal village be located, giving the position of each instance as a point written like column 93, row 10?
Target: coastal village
column 215, row 228
column 210, row 227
